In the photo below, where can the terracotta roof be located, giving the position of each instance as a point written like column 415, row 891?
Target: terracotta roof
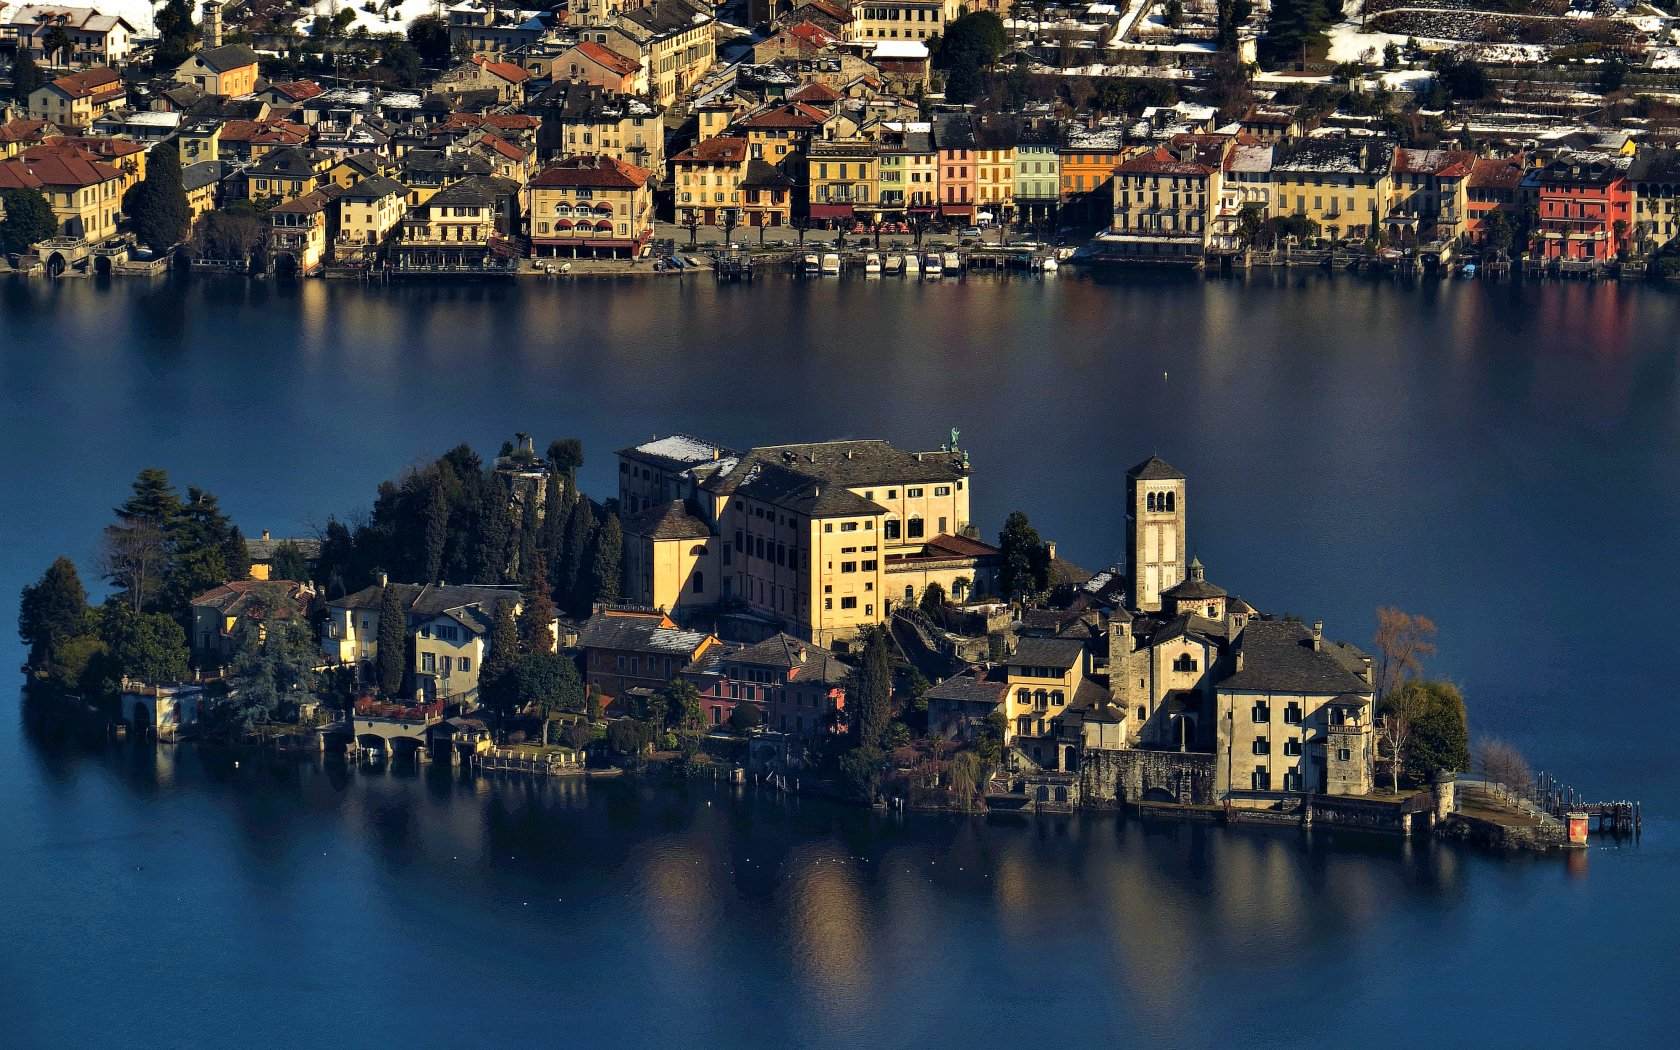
column 792, row 115
column 502, row 146
column 606, row 56
column 98, row 146
column 721, row 149
column 1442, row 163
column 21, row 130
column 55, row 167
column 499, row 121
column 960, row 546
column 506, row 70
column 298, row 90
column 593, row 172
column 282, row 132
column 308, row 204
column 1161, row 161
column 89, row 83
column 258, row 599
column 816, row 93
column 811, row 33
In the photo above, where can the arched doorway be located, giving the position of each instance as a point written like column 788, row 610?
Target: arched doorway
column 285, row 265
column 102, row 265
column 56, row 265
column 1158, row 794
column 141, row 720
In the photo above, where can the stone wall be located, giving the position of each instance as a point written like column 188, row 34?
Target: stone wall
column 1131, row 776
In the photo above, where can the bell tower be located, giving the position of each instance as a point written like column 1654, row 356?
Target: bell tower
column 1155, row 533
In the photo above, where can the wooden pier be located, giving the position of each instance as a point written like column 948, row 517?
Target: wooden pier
column 1615, row 818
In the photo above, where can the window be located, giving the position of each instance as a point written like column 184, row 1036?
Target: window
column 466, row 665
column 828, row 604
column 1262, row 745
column 1292, row 746
column 1344, row 755
column 914, row 528
column 942, row 490
column 428, row 662
column 1292, row 713
column 1260, row 712
column 1185, row 662
column 913, row 493
column 1142, row 714
column 848, row 602
column 699, row 582
column 890, row 529
column 1260, row 779
column 848, row 566
column 869, row 565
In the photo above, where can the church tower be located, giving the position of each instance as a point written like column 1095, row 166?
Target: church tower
column 1155, row 536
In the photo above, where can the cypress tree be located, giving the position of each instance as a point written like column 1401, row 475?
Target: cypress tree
column 237, row 555
column 530, row 537
column 552, row 538
column 574, row 574
column 437, row 529
column 52, row 611
column 536, row 613
column 504, row 643
column 869, row 694
column 493, row 529
column 160, row 213
column 393, row 640
column 605, row 583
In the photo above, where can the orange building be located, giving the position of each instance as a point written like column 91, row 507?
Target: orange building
column 1586, row 207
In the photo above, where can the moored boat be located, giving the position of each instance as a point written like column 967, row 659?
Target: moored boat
column 830, row 263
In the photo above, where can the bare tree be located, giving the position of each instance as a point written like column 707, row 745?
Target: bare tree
column 1403, row 639
column 1398, row 717
column 1502, row 763
column 133, row 558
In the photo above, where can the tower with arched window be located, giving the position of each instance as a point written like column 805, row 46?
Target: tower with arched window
column 1155, row 533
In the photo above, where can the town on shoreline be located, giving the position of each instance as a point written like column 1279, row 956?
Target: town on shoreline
column 916, row 137
column 819, row 616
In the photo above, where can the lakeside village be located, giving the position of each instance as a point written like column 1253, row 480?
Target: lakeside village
column 819, row 617
column 400, row 138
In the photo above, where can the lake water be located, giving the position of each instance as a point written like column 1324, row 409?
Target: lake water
column 1503, row 458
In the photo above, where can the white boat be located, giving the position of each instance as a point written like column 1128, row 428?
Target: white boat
column 1049, row 264
column 830, row 263
column 810, row 264
column 953, row 262
column 930, row 265
column 894, row 263
column 912, row 263
column 872, row 264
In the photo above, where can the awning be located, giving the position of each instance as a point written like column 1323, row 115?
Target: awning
column 831, row 211
column 563, row 224
column 957, row 209
column 603, row 225
column 604, row 207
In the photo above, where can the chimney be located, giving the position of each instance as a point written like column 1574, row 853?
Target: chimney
column 384, row 579
column 211, row 24
column 1050, row 547
column 1318, row 635
column 265, row 534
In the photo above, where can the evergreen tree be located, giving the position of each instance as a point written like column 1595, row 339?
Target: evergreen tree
column 393, row 640
column 574, row 574
column 176, row 33
column 605, row 581
column 52, row 611
column 1025, row 557
column 504, row 642
column 430, row 37
column 148, row 647
column 238, row 556
column 536, row 613
column 1440, row 730
column 29, row 219
column 200, row 537
column 530, row 536
column 494, row 528
column 288, row 562
column 437, row 529
column 566, row 456
column 26, row 76
column 137, row 547
column 869, row 693
column 552, row 537
column 273, row 670
column 160, row 213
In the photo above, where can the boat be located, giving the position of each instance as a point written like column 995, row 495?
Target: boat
column 952, row 262
column 1467, row 270
column 830, row 263
column 872, row 264
column 894, row 263
column 931, row 266
column 1048, row 264
column 810, row 264
column 912, row 263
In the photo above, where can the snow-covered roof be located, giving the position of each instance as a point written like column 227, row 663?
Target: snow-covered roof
column 901, row 49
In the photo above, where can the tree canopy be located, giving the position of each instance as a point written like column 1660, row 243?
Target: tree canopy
column 29, row 219
column 546, row 682
column 1025, row 557
column 52, row 611
column 869, row 693
column 158, row 207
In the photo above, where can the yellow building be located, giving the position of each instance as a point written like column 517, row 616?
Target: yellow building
column 1163, row 204
column 707, row 179
column 806, row 536
column 85, row 194
column 902, row 19
column 219, row 613
column 229, row 70
column 585, row 120
column 76, row 100
column 297, row 233
column 370, row 210
column 844, row 176
column 448, row 628
column 1429, row 195
column 1342, row 185
column 590, row 206
column 672, row 39
column 670, row 560
column 202, row 181
column 1043, row 676
column 286, row 174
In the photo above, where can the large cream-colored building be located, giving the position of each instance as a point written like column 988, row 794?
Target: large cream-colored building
column 1342, row 185
column 672, row 39
column 85, row 194
column 902, row 19
column 76, row 100
column 447, row 626
column 803, row 536
column 230, row 70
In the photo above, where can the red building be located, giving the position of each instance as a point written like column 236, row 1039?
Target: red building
column 798, row 687
column 1495, row 186
column 1586, row 207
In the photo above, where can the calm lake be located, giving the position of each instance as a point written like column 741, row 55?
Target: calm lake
column 1505, row 458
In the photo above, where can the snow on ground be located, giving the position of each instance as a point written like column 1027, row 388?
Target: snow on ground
column 392, row 17
column 1407, row 79
column 1348, row 44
